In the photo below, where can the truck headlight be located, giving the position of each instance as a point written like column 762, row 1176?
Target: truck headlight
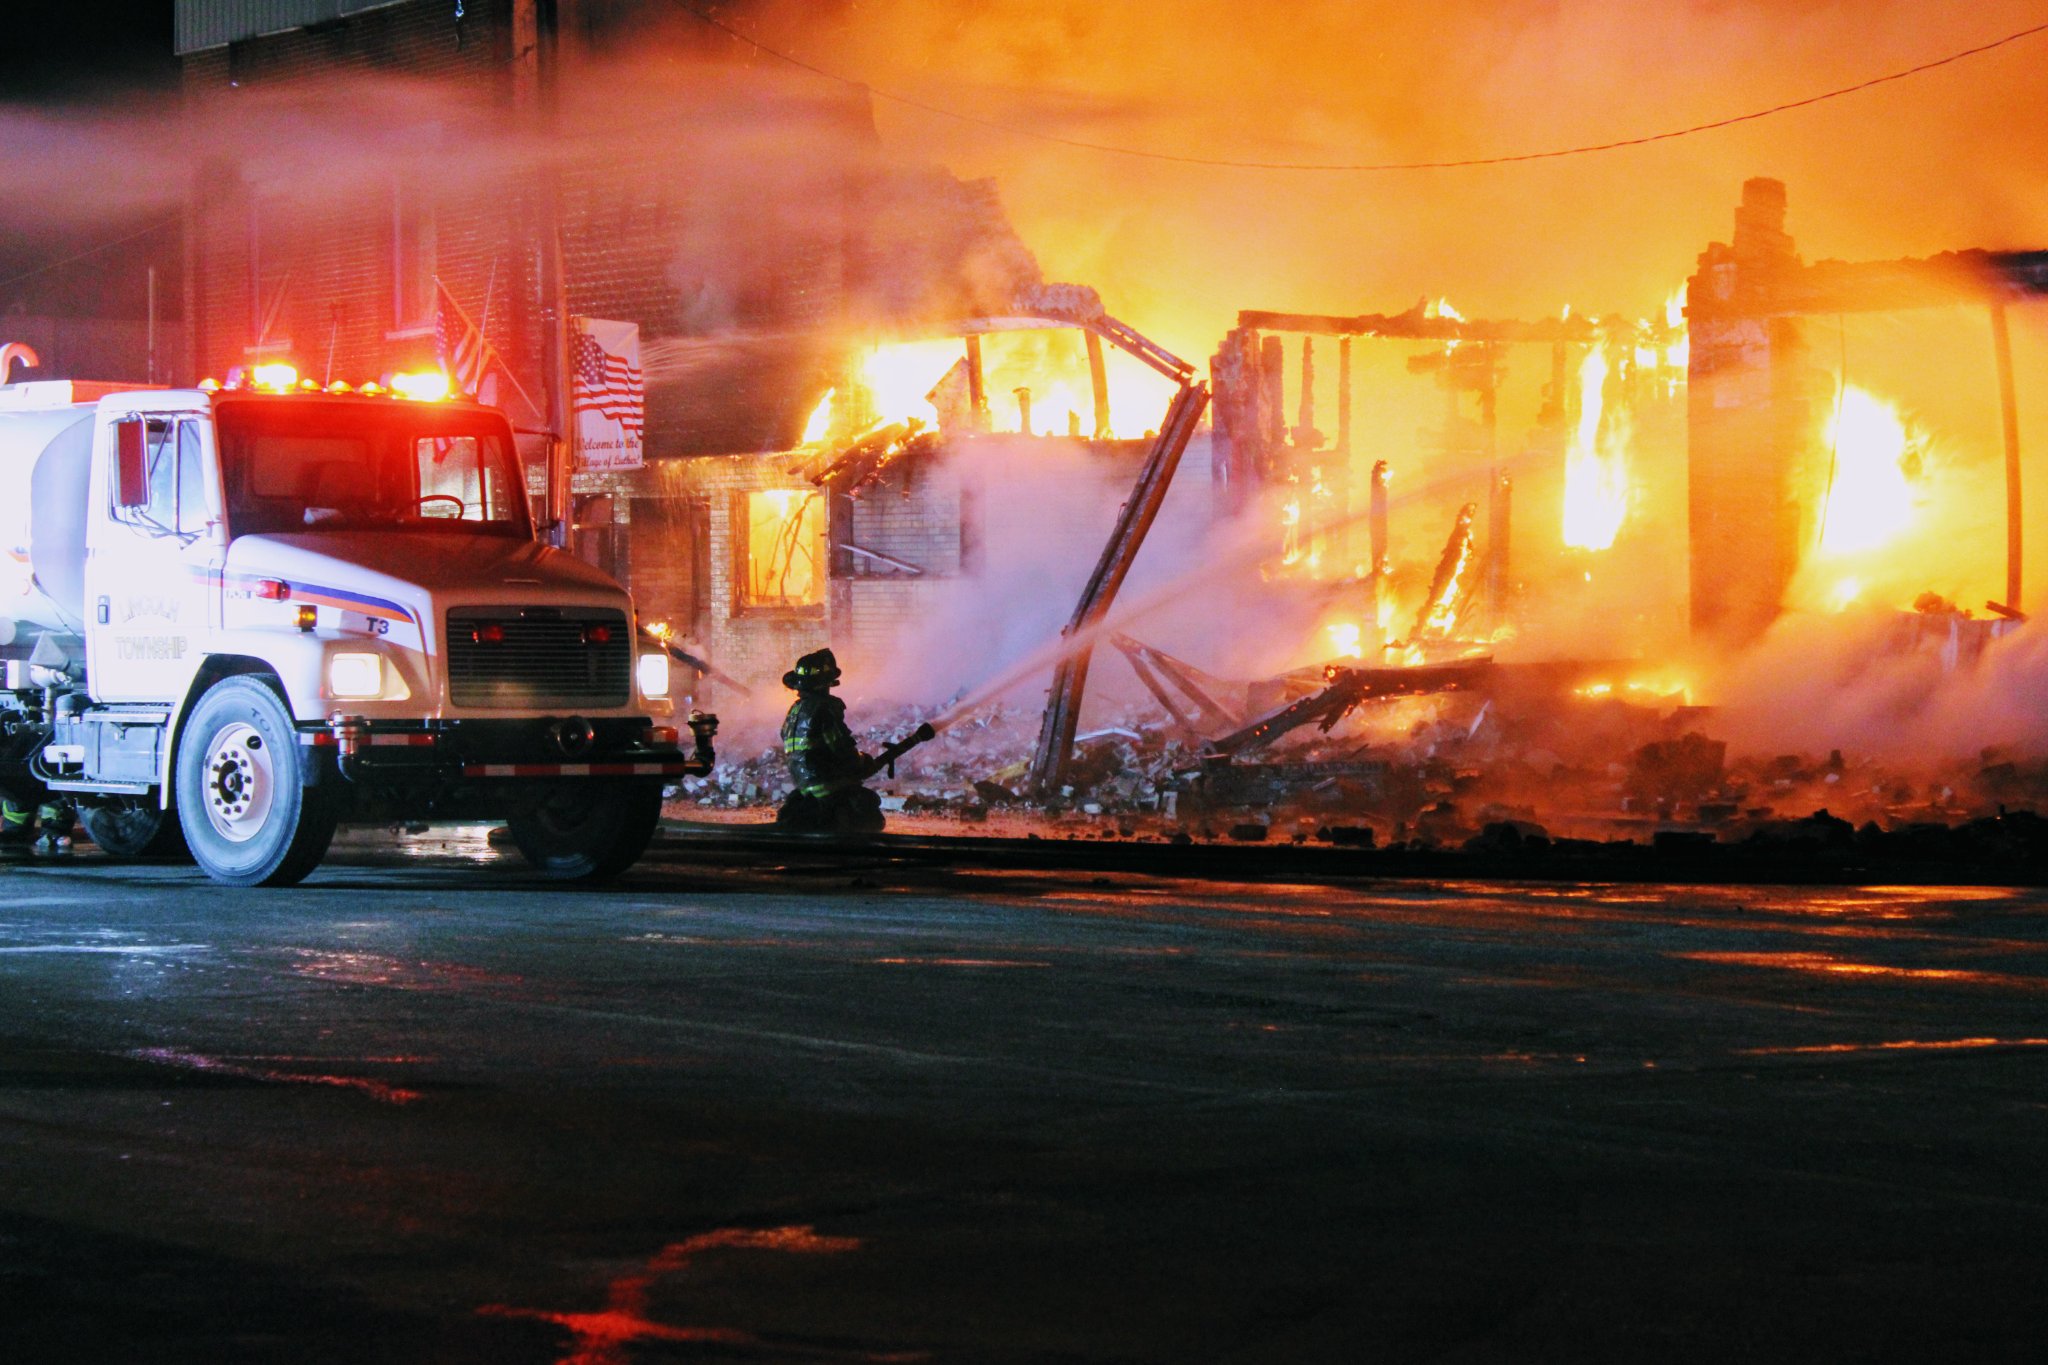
column 355, row 675
column 652, row 674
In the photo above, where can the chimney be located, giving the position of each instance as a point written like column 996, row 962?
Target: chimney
column 1749, row 424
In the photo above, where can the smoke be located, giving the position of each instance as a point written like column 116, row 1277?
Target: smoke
column 1866, row 683
column 748, row 169
column 1916, row 167
column 1046, row 510
column 752, row 176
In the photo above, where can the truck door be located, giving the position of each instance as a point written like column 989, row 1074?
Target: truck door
column 150, row 575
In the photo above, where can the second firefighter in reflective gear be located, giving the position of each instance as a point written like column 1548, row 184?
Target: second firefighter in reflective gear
column 18, row 823
column 824, row 762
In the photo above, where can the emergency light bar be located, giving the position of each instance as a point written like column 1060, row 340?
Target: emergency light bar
column 418, row 386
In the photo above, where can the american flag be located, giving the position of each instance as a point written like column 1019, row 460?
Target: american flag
column 606, row 384
column 464, row 354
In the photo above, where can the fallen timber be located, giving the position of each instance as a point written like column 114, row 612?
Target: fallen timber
column 1349, row 687
column 1193, row 698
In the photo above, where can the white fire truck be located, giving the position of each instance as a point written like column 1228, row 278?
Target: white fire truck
column 231, row 618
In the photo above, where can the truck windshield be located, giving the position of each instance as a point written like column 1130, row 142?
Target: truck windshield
column 321, row 465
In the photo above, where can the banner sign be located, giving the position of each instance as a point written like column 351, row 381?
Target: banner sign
column 607, row 394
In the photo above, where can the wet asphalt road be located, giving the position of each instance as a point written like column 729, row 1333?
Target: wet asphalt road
column 831, row 1107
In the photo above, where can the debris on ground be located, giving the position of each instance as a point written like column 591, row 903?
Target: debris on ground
column 1466, row 755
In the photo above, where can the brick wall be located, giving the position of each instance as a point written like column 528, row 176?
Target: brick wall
column 318, row 259
column 736, row 354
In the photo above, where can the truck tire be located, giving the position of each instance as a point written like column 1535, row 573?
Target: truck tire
column 589, row 831
column 134, row 827
column 242, row 798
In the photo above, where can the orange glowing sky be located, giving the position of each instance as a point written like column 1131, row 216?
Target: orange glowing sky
column 1947, row 159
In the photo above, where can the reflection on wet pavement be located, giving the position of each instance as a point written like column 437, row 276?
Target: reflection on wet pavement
column 1830, row 964
column 1896, row 1045
column 221, row 1066
column 1066, row 1116
column 601, row 1337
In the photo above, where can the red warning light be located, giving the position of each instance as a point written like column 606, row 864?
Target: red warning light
column 598, row 635
column 490, row 634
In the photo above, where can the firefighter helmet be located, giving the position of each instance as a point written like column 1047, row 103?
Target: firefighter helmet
column 816, row 671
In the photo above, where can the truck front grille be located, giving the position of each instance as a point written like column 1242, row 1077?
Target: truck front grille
column 539, row 656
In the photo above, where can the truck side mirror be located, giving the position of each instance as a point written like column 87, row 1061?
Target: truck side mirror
column 131, row 468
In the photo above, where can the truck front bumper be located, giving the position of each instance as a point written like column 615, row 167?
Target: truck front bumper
column 447, row 752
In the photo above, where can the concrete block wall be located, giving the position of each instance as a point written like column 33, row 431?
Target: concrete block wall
column 756, row 645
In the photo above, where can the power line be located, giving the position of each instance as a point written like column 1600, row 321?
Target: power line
column 1016, row 130
column 157, row 226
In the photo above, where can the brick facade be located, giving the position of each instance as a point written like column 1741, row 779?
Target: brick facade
column 738, row 345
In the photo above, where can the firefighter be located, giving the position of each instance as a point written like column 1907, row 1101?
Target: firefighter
column 824, row 762
column 18, row 822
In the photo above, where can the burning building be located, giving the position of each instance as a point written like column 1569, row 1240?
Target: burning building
column 1792, row 462
column 796, row 292
column 858, row 386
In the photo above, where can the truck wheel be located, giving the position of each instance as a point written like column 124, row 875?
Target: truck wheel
column 242, row 798
column 134, row 827
column 589, row 831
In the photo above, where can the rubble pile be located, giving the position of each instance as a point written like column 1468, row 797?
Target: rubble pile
column 1130, row 767
column 1487, row 773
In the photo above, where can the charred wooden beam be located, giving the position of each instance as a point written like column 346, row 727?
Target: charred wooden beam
column 1382, row 563
column 873, row 455
column 977, row 384
column 1161, row 693
column 1377, row 518
column 1272, row 402
column 1070, row 678
column 1449, row 587
column 1188, row 694
column 1416, row 325
column 2008, row 412
column 1953, row 277
column 1121, row 335
column 1348, row 688
column 1098, row 379
column 1344, row 395
column 1236, row 438
column 1306, row 437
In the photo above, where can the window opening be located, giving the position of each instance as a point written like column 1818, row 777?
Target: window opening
column 785, row 548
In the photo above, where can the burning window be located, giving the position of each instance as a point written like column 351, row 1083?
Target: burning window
column 785, row 548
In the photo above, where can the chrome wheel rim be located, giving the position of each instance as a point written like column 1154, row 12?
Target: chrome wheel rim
column 241, row 783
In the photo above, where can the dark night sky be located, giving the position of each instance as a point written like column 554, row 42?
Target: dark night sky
column 83, row 50
column 74, row 54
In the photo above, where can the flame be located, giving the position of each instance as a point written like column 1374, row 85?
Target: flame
column 1442, row 309
column 1870, row 499
column 1058, row 411
column 1595, row 480
column 1290, row 531
column 1052, row 363
column 1678, row 354
column 1443, row 612
column 1347, row 639
column 1638, row 690
column 897, row 378
column 820, row 424
column 1844, row 594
